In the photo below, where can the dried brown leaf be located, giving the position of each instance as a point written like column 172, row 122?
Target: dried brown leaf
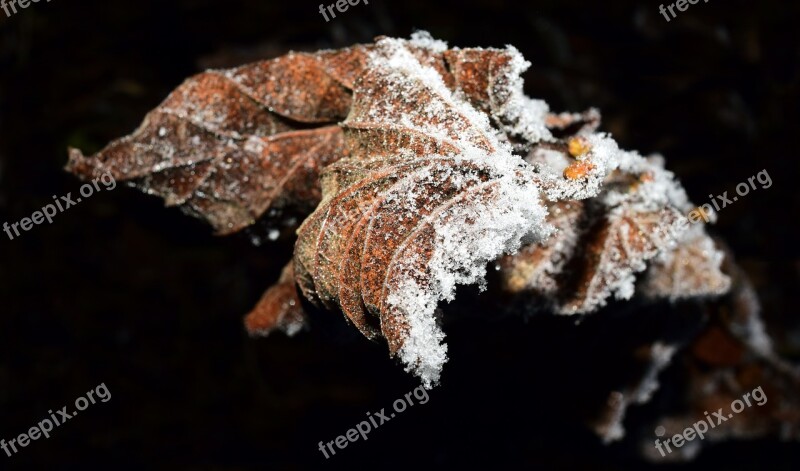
column 690, row 270
column 402, row 154
column 380, row 246
column 230, row 146
column 280, row 308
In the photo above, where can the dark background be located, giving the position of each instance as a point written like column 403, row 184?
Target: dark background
column 119, row 290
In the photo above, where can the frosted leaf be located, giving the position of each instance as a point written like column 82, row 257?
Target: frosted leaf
column 691, row 269
column 634, row 215
column 535, row 269
column 519, row 117
column 395, row 236
column 404, row 155
column 600, row 246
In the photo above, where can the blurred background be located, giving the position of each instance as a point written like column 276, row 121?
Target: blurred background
column 121, row 291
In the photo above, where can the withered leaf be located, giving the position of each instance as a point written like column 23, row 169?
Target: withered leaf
column 535, row 268
column 405, row 155
column 614, row 251
column 428, row 196
column 280, row 308
column 230, row 146
column 603, row 243
column 689, row 270
column 391, row 236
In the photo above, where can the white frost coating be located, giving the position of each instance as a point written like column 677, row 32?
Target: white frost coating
column 687, row 243
column 660, row 357
column 423, row 39
column 505, row 210
column 423, row 351
column 603, row 157
column 510, row 105
column 753, row 330
column 551, row 162
column 467, row 238
column 662, row 189
column 392, row 55
column 293, row 327
column 757, row 337
column 624, row 288
column 501, row 212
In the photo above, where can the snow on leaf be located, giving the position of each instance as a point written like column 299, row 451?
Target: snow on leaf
column 429, row 197
column 614, row 251
column 404, row 154
column 604, row 242
column 534, row 269
column 692, row 269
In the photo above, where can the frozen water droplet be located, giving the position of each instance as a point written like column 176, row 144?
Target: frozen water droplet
column 162, row 131
column 274, row 234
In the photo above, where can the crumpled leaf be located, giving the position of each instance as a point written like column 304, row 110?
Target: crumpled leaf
column 603, row 243
column 428, row 197
column 689, row 270
column 408, row 154
column 230, row 146
column 414, row 147
column 535, row 268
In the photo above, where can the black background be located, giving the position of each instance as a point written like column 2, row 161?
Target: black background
column 119, row 290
